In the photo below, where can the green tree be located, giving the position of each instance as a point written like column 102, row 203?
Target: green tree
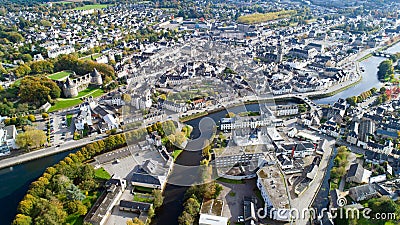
column 158, row 198
column 385, row 70
column 134, row 221
column 22, row 70
column 185, row 219
column 126, row 97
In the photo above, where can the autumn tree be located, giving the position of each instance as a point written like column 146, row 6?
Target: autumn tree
column 21, row 219
column 31, row 138
column 38, row 90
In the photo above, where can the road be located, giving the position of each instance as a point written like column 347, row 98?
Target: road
column 305, row 200
column 46, row 151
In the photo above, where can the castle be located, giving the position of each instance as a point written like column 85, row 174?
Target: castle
column 72, row 86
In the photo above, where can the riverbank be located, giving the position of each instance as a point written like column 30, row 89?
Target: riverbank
column 330, row 94
column 41, row 153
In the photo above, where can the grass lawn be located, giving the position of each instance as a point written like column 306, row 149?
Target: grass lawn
column 229, row 181
column 74, row 219
column 176, row 153
column 90, row 91
column 100, row 173
column 138, row 197
column 65, row 104
column 143, row 189
column 69, row 119
column 59, row 75
column 94, row 56
column 95, row 6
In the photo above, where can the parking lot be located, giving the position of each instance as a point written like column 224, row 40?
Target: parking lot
column 59, row 131
column 233, row 196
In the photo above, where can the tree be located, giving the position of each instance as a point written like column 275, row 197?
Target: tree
column 74, row 193
column 38, row 90
column 192, row 206
column 158, row 198
column 31, row 138
column 185, row 219
column 45, row 115
column 134, row 221
column 230, row 115
column 385, row 70
column 126, row 97
column 21, row 219
column 22, row 70
column 352, row 100
column 42, row 66
column 31, row 118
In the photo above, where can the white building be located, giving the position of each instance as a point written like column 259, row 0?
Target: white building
column 54, row 53
column 271, row 183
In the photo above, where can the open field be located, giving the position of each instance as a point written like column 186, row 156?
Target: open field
column 59, row 75
column 95, row 6
column 265, row 17
column 93, row 56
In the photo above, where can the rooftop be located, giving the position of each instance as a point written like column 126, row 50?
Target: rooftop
column 273, row 182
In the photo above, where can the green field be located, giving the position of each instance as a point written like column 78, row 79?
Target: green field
column 65, row 104
column 229, row 181
column 59, row 75
column 93, row 91
column 96, row 6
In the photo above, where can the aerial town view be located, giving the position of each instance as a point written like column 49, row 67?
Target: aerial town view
column 200, row 112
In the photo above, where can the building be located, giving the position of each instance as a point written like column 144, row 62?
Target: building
column 286, row 110
column 63, row 50
column 271, row 183
column 102, row 209
column 297, row 150
column 8, row 135
column 139, row 208
column 358, row 174
column 151, row 174
column 72, row 86
column 363, row 192
column 211, row 213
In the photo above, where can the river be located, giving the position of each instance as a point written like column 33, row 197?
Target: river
column 369, row 78
column 15, row 182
